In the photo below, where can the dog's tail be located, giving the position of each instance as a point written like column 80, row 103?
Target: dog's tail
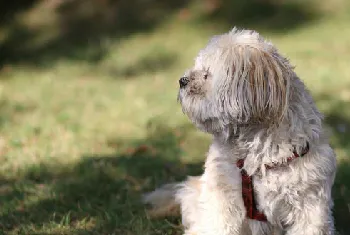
column 165, row 201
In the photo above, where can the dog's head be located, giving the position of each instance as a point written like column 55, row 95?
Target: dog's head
column 237, row 79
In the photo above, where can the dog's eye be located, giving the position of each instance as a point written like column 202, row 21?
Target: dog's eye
column 205, row 76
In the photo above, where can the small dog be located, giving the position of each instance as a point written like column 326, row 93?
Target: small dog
column 267, row 135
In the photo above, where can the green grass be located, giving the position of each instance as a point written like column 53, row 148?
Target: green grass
column 89, row 118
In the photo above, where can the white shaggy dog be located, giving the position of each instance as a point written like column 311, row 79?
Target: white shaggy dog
column 244, row 93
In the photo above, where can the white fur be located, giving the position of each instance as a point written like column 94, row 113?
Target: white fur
column 244, row 93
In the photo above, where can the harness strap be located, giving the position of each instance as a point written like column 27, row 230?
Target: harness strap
column 248, row 189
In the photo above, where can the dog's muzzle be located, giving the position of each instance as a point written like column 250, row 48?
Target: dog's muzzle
column 183, row 82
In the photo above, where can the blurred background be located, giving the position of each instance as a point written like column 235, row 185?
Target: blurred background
column 88, row 111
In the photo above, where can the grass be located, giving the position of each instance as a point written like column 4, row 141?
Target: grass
column 90, row 122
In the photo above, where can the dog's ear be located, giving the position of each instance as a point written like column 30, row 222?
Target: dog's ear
column 261, row 79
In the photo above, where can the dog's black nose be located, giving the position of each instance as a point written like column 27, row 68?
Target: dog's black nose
column 183, row 81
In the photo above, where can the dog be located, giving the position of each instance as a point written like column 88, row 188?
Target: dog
column 244, row 93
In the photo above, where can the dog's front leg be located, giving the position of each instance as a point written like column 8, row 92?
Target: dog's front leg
column 316, row 219
column 221, row 205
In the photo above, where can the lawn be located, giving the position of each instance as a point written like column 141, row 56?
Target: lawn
column 89, row 117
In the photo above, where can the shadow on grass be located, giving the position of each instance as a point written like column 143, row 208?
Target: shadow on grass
column 48, row 31
column 76, row 29
column 9, row 9
column 270, row 15
column 105, row 189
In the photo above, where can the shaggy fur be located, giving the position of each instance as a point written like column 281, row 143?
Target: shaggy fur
column 246, row 94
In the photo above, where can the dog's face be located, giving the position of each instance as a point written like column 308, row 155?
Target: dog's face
column 238, row 78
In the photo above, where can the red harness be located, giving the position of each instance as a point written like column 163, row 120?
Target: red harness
column 247, row 186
